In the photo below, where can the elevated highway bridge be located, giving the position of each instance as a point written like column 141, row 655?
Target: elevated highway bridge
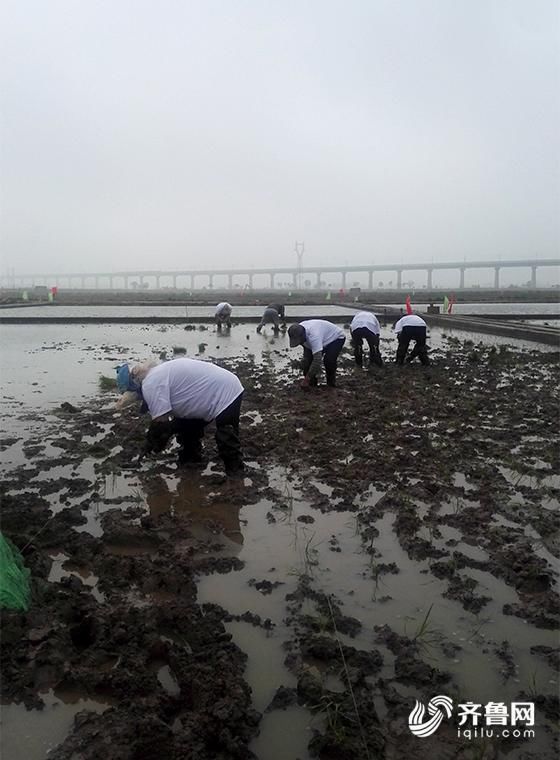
column 192, row 278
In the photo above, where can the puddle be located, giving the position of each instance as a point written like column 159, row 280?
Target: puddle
column 369, row 498
column 265, row 670
column 168, row 681
column 285, row 734
column 460, row 481
column 32, row 734
column 62, row 567
column 473, row 552
column 455, row 504
column 278, row 552
column 321, row 487
column 187, row 494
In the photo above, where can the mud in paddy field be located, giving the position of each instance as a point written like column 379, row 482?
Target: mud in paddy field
column 393, row 540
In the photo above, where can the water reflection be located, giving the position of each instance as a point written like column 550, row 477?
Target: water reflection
column 32, row 734
column 189, row 496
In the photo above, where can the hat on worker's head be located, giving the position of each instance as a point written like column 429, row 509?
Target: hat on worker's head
column 296, row 334
column 125, row 381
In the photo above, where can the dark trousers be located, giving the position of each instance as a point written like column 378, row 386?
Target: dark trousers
column 372, row 339
column 418, row 335
column 330, row 356
column 190, row 433
column 223, row 322
column 269, row 319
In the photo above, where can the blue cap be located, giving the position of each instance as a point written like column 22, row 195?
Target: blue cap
column 125, row 381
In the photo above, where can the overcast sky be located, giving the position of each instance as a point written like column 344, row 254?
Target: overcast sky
column 182, row 134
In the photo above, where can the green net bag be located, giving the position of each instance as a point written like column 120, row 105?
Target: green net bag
column 14, row 577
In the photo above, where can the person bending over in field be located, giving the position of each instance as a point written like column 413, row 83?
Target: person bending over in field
column 409, row 328
column 320, row 340
column 223, row 315
column 366, row 326
column 183, row 396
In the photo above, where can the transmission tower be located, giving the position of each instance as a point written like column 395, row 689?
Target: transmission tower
column 299, row 249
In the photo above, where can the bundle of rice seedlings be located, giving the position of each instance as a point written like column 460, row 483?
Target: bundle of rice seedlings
column 107, row 383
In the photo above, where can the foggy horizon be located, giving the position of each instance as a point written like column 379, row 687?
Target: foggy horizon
column 191, row 136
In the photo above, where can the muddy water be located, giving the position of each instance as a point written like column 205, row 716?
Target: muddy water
column 292, row 312
column 288, row 548
column 49, row 364
column 34, row 733
column 280, row 538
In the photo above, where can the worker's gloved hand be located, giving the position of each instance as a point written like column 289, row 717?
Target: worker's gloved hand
column 305, row 382
column 158, row 435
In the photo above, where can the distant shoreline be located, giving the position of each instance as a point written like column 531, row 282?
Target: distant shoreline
column 12, row 297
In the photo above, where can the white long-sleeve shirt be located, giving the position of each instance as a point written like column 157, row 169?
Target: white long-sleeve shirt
column 223, row 309
column 189, row 389
column 409, row 320
column 319, row 333
column 365, row 319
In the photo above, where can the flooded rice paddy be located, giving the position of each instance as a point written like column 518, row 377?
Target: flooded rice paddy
column 393, row 539
column 115, row 310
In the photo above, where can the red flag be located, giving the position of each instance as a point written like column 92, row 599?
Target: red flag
column 408, row 306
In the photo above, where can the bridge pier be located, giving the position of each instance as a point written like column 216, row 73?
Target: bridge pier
column 430, row 279
column 290, row 275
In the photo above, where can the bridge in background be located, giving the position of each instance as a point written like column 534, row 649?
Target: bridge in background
column 171, row 278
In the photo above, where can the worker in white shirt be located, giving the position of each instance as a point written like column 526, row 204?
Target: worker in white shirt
column 183, row 396
column 411, row 327
column 223, row 315
column 365, row 325
column 320, row 340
